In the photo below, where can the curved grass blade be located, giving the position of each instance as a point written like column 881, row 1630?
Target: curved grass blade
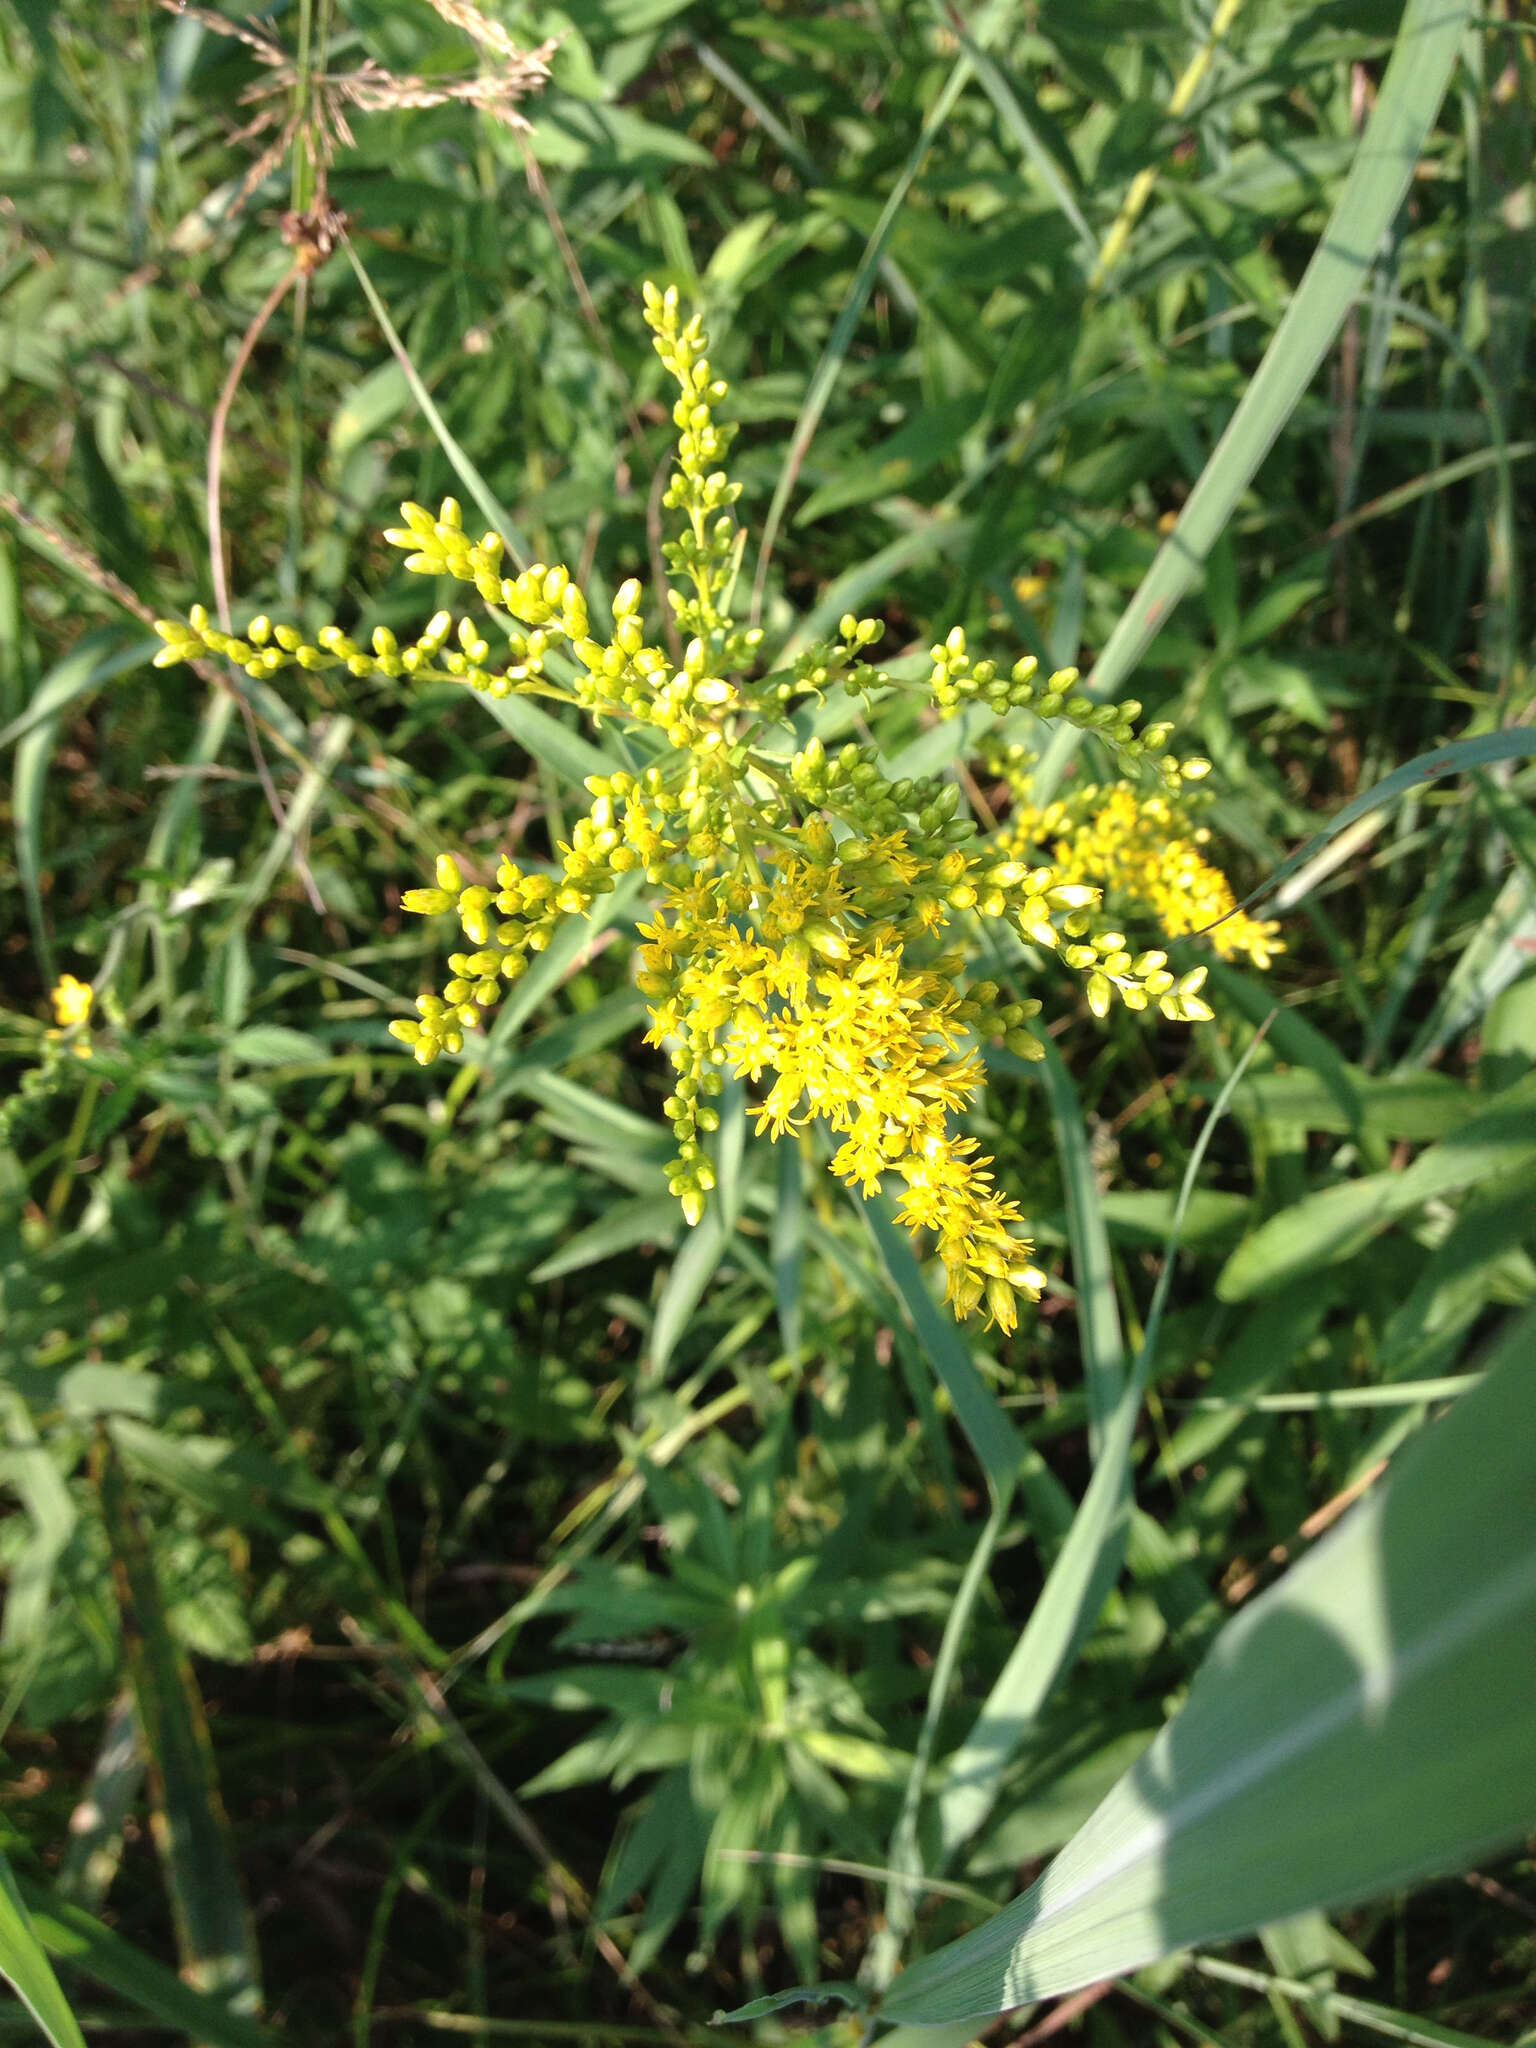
column 25, row 1966
column 1085, row 1569
column 1098, row 1313
column 803, row 166
column 99, row 656
column 1016, row 121
column 1396, row 1653
column 1415, row 83
column 1512, row 743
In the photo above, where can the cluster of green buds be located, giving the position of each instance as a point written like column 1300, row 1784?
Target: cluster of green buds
column 957, row 681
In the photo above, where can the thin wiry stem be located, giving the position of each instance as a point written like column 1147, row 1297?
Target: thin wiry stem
column 216, row 435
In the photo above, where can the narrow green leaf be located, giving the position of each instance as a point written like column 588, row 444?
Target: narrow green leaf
column 1335, row 1223
column 1098, row 1313
column 992, row 1436
column 95, row 1846
column 333, row 744
column 491, row 509
column 98, row 657
column 1511, row 743
column 1497, row 954
column 73, row 1937
column 825, row 375
column 1376, row 2019
column 24, row 1963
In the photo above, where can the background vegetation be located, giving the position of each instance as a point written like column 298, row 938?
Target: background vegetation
column 431, row 1570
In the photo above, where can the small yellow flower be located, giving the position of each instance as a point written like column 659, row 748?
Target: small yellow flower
column 72, row 1001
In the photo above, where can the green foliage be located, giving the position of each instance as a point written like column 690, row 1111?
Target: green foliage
column 567, row 1591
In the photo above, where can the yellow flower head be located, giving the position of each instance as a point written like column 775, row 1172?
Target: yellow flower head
column 805, row 937
column 1144, row 849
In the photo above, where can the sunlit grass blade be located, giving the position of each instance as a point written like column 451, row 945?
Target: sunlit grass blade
column 1498, row 952
column 1509, row 743
column 1016, row 121
column 1382, row 2020
column 24, row 1964
column 329, row 754
column 96, row 1827
column 1334, row 1223
column 1412, row 89
column 1389, row 1656
column 71, row 1936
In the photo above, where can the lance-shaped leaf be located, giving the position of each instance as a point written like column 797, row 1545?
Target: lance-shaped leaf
column 26, row 1968
column 1368, row 1721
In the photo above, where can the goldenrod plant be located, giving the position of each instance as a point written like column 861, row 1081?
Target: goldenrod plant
column 814, row 916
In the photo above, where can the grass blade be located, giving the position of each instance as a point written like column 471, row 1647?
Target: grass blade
column 492, row 511
column 99, row 657
column 1098, row 1313
column 72, row 1936
column 1085, row 1569
column 1510, row 743
column 1278, row 1787
column 1411, row 92
column 826, row 372
column 25, row 1966
column 96, row 1827
column 992, row 1436
column 1361, row 2012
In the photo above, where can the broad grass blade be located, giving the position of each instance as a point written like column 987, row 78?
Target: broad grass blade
column 1396, row 1655
column 1415, row 83
column 24, row 1963
column 1335, row 1223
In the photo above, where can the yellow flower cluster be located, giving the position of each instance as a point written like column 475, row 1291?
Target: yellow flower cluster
column 1143, row 848
column 810, row 906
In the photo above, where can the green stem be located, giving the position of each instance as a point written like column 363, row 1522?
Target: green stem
column 64, row 1180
